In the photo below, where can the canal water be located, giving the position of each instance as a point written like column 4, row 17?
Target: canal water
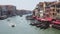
column 22, row 27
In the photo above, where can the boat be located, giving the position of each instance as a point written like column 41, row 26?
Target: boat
column 47, row 13
column 29, row 17
column 12, row 24
column 3, row 17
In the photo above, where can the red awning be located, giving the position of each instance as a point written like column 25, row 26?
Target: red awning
column 56, row 22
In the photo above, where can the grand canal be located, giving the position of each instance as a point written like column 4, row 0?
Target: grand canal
column 22, row 27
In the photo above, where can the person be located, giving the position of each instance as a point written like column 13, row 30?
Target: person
column 50, row 25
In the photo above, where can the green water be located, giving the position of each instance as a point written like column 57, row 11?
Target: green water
column 22, row 27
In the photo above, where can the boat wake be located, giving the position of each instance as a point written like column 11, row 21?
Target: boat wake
column 12, row 24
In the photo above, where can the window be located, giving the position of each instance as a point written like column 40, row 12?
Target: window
column 58, row 11
column 58, row 6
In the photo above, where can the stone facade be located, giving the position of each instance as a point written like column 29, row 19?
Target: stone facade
column 8, row 10
column 50, row 9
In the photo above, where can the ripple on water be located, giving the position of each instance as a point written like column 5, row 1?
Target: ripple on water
column 23, row 27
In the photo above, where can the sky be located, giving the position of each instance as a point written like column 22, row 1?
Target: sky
column 22, row 4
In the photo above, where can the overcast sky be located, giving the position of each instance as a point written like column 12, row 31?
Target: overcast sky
column 22, row 4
